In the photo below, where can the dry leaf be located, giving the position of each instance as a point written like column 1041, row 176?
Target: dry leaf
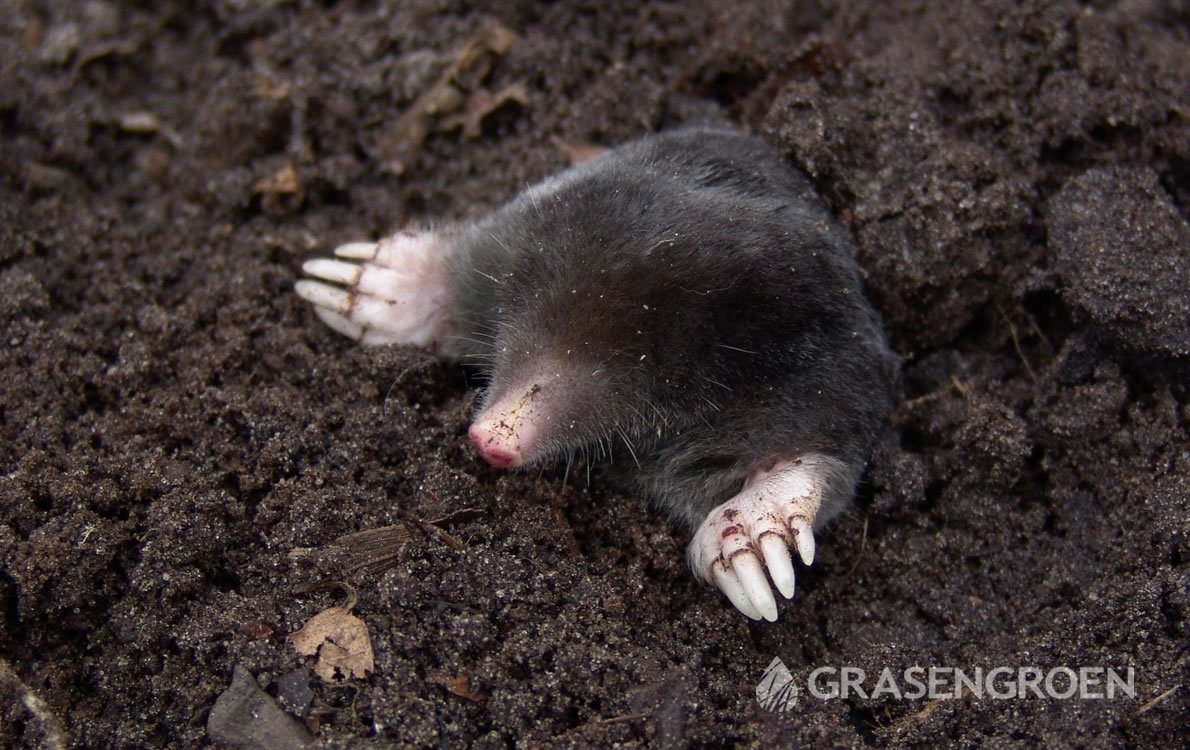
column 341, row 641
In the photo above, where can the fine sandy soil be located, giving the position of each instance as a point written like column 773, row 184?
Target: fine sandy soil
column 175, row 423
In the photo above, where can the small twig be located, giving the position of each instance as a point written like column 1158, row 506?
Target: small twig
column 1157, row 700
column 929, row 708
column 352, row 597
column 962, row 388
column 1049, row 346
column 898, row 418
column 455, row 515
column 431, row 529
column 443, row 535
column 925, row 398
column 1016, row 344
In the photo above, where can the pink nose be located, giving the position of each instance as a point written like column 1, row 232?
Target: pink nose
column 493, row 447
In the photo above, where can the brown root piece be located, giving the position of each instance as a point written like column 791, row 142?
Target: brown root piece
column 480, row 105
column 365, row 552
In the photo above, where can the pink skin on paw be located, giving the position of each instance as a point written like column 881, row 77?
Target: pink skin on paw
column 387, row 292
column 753, row 532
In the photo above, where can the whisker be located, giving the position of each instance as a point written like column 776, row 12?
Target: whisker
column 736, row 348
column 484, row 335
column 499, row 242
column 533, row 198
column 660, row 414
column 478, row 359
column 716, row 382
column 478, row 325
column 631, row 452
column 708, row 291
column 468, row 339
column 489, row 277
column 643, row 420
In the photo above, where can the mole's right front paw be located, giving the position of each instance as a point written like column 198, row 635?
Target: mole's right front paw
column 394, row 294
column 754, row 531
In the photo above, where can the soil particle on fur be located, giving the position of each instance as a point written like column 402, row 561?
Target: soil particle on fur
column 173, row 422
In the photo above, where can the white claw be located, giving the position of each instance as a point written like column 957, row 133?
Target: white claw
column 338, row 323
column 776, row 559
column 805, row 542
column 323, row 295
column 730, row 585
column 333, row 270
column 747, row 542
column 357, row 250
column 756, row 586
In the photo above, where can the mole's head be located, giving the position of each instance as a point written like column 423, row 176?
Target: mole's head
column 612, row 336
column 582, row 356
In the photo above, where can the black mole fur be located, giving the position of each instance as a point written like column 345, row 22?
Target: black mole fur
column 705, row 307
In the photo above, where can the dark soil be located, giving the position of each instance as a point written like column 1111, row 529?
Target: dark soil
column 174, row 421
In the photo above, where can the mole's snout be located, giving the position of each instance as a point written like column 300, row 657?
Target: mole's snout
column 496, row 445
column 509, row 431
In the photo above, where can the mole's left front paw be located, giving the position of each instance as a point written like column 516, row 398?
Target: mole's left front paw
column 755, row 529
column 386, row 292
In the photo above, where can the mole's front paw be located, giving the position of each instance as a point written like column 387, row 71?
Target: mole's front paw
column 394, row 293
column 755, row 530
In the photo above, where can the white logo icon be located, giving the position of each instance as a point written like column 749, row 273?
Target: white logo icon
column 777, row 690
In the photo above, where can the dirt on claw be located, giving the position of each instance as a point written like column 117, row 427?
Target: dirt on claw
column 174, row 421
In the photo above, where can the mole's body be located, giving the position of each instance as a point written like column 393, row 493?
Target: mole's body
column 682, row 301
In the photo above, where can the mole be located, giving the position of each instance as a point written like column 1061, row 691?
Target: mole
column 685, row 302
